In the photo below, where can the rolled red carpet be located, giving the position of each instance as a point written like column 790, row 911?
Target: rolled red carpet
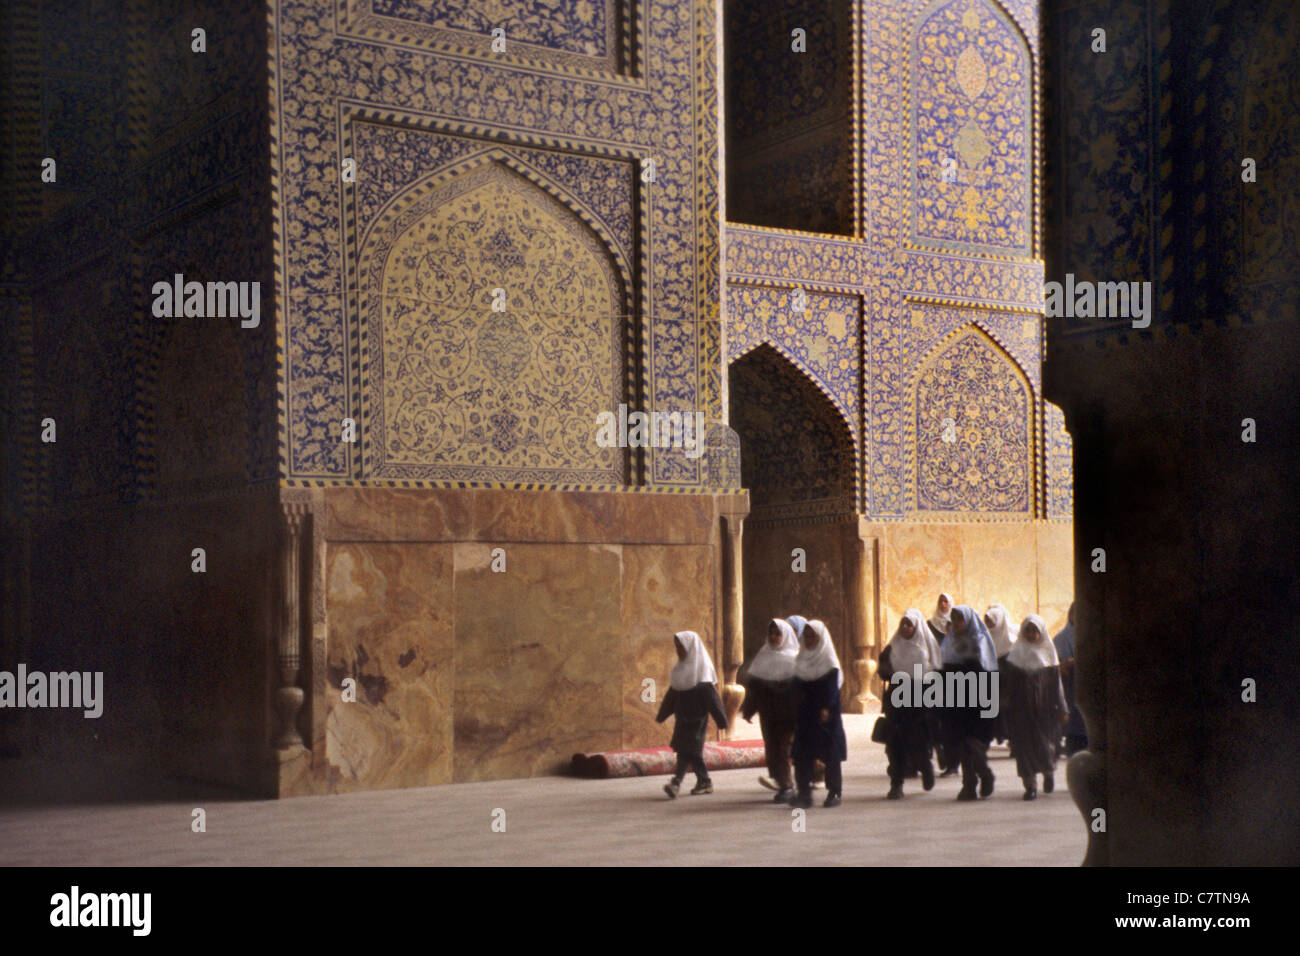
column 648, row 761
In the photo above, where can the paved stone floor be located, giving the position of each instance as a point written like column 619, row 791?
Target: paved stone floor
column 562, row 821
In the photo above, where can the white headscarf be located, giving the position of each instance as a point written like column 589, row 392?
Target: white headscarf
column 821, row 660
column 921, row 648
column 695, row 667
column 1001, row 629
column 1031, row 655
column 940, row 619
column 776, row 663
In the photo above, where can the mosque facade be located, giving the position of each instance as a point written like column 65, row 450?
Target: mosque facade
column 372, row 541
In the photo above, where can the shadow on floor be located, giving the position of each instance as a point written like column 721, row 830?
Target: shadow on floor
column 29, row 782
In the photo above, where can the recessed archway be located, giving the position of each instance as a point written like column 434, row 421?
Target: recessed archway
column 797, row 460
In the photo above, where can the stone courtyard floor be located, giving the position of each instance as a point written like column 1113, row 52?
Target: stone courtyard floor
column 568, row 822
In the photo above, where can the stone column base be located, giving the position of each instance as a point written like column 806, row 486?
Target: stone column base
column 1086, row 775
column 290, row 774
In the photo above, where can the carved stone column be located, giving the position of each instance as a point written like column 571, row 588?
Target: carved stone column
column 858, row 564
column 289, row 696
column 733, row 637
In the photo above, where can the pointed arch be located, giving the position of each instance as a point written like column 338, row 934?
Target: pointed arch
column 770, row 343
column 496, row 154
column 797, row 445
column 972, row 429
column 455, row 387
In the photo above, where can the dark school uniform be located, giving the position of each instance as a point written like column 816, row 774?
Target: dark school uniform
column 1034, row 703
column 907, row 745
column 814, row 740
column 691, row 710
column 774, row 702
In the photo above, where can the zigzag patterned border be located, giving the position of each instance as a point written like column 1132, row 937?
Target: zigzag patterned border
column 286, row 483
column 765, row 282
column 984, row 305
column 279, row 292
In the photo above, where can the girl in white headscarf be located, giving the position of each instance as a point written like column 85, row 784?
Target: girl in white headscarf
column 1034, row 702
column 692, row 698
column 967, row 649
column 913, row 652
column 941, row 616
column 999, row 624
column 769, row 687
column 819, row 727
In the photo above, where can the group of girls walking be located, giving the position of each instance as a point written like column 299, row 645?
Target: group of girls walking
column 1031, row 709
column 793, row 684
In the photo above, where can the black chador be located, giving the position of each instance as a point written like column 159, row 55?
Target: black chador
column 968, row 649
column 691, row 699
column 819, row 726
column 1034, row 703
column 913, row 652
column 769, row 692
column 938, row 624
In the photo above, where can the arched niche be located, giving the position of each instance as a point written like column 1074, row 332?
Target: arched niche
column 972, row 425
column 457, row 389
column 798, row 463
column 795, row 446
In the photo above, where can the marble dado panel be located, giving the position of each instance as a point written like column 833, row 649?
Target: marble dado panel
column 490, row 515
column 1026, row 566
column 538, row 666
column 468, row 673
column 390, row 630
column 774, row 589
column 662, row 587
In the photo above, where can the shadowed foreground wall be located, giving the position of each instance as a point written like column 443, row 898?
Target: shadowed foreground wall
column 1198, row 526
column 164, row 427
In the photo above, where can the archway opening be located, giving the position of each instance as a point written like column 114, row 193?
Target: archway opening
column 797, row 460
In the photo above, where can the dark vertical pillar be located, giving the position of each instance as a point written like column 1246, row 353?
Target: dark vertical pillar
column 1185, row 430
